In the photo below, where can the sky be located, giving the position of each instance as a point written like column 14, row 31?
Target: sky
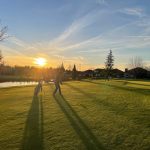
column 77, row 32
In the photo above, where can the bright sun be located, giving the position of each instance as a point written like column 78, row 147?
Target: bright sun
column 40, row 61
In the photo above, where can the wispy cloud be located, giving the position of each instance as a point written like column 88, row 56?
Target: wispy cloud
column 120, row 36
column 101, row 2
column 71, row 60
column 9, row 51
column 20, row 44
column 96, row 48
column 77, row 25
column 133, row 11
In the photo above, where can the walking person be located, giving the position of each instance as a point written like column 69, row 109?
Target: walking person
column 38, row 88
column 57, row 82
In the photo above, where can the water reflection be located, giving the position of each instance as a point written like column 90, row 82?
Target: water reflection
column 12, row 84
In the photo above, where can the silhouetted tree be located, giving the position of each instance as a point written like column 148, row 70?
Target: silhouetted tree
column 69, row 68
column 147, row 68
column 62, row 68
column 1, row 57
column 74, row 72
column 3, row 32
column 3, row 35
column 61, row 71
column 109, row 64
column 138, row 72
column 136, row 62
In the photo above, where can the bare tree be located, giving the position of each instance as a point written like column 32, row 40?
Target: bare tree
column 3, row 33
column 136, row 62
column 147, row 68
column 1, row 57
column 69, row 68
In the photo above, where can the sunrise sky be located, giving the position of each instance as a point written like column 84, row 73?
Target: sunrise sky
column 75, row 31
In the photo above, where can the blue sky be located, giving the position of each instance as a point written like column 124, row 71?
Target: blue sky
column 76, row 31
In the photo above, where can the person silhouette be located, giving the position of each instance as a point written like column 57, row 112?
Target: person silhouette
column 57, row 82
column 38, row 88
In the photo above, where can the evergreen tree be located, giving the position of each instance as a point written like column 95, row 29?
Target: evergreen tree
column 62, row 68
column 109, row 64
column 74, row 72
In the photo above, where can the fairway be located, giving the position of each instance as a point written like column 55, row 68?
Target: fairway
column 91, row 114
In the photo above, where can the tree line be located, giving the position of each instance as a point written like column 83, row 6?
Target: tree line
column 34, row 73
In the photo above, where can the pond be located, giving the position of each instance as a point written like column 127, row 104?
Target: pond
column 12, row 84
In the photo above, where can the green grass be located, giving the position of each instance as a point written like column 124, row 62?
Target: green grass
column 91, row 114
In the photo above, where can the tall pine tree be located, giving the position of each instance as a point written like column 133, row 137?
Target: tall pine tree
column 62, row 68
column 74, row 72
column 109, row 64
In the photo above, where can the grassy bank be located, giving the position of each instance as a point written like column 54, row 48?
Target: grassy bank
column 91, row 114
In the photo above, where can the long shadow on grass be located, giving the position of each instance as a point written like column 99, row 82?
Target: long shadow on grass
column 84, row 132
column 133, row 89
column 33, row 133
column 112, row 107
column 140, row 117
column 133, row 83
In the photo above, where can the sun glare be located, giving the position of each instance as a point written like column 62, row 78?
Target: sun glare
column 40, row 62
